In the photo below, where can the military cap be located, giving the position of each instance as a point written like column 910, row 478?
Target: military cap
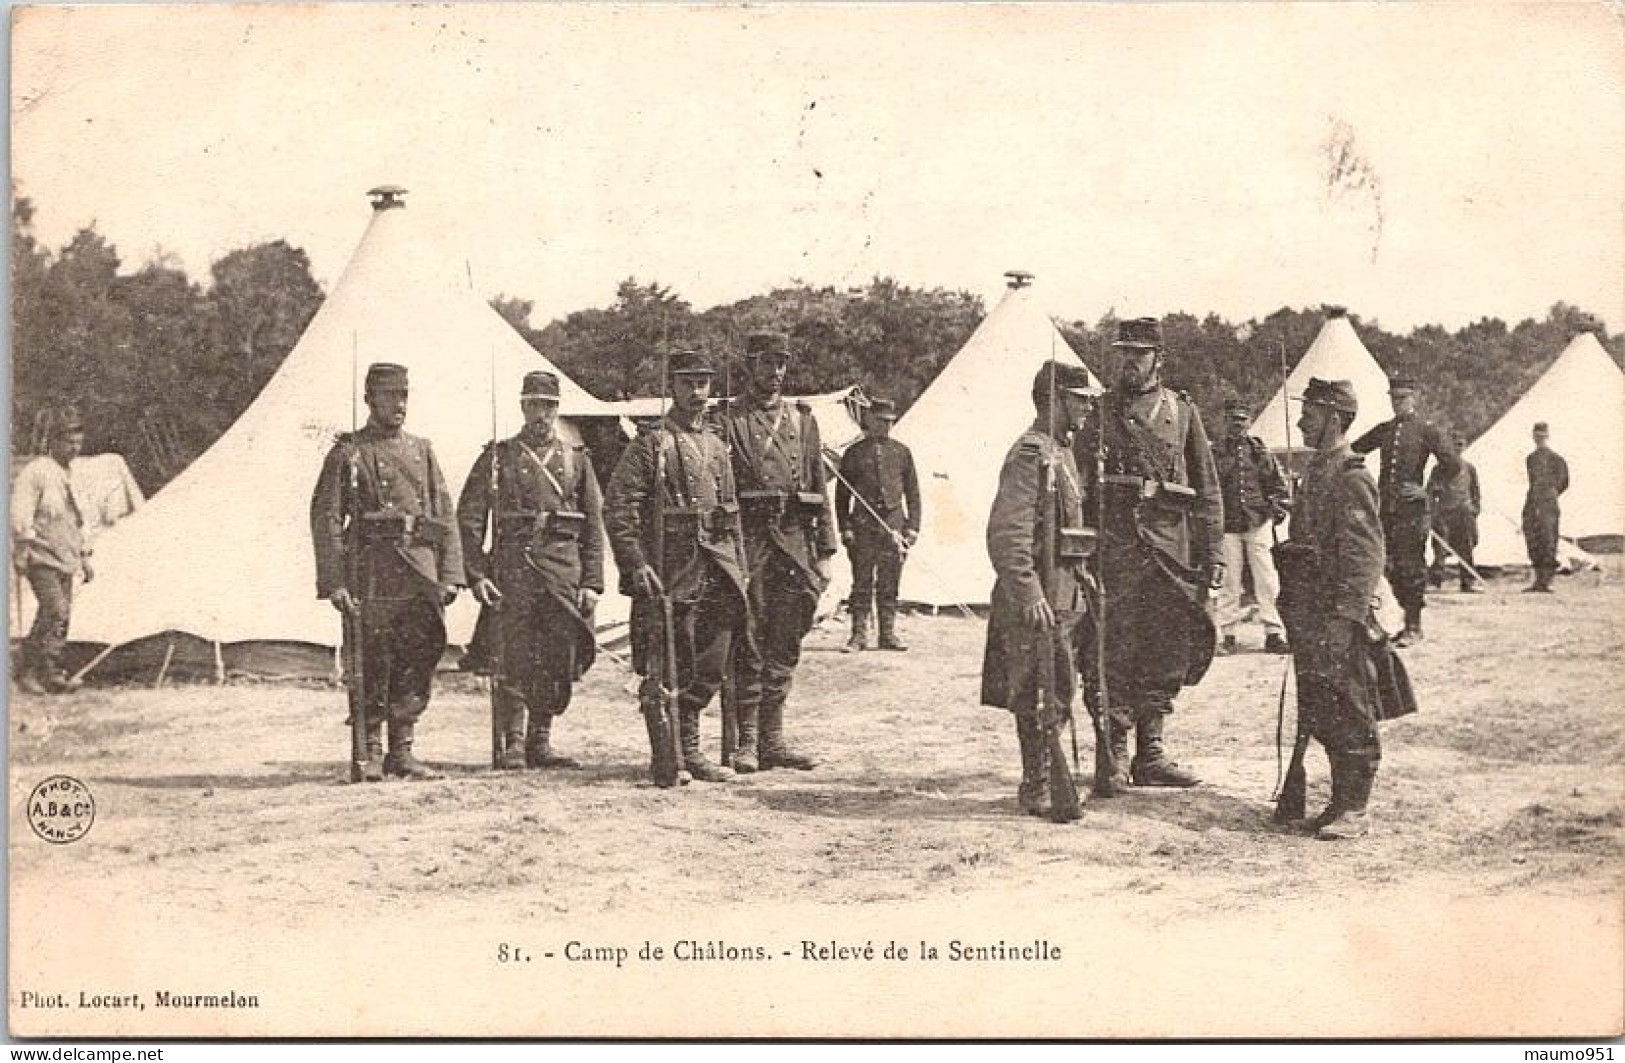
column 1237, row 408
column 1402, row 382
column 884, row 408
column 689, row 361
column 758, row 344
column 540, row 384
column 1541, row 426
column 1144, row 333
column 1338, row 394
column 386, row 375
column 1061, row 376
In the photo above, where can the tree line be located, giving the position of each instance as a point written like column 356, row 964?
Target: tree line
column 160, row 365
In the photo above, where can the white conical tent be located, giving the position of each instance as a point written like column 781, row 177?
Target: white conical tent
column 1582, row 398
column 223, row 552
column 959, row 431
column 1336, row 354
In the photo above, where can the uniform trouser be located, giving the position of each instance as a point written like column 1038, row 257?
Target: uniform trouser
column 781, row 605
column 1146, row 658
column 1459, row 530
column 1061, row 646
column 1405, row 536
column 1540, row 524
column 877, row 567
column 1337, row 692
column 536, row 662
column 53, row 598
column 1249, row 549
column 402, row 644
column 706, row 631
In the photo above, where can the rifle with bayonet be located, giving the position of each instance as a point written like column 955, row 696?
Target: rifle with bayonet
column 658, row 693
column 354, row 619
column 1064, row 803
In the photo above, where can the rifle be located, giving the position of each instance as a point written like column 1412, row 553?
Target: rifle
column 659, row 693
column 493, row 504
column 1292, row 788
column 729, row 694
column 1064, row 804
column 1107, row 770
column 354, row 624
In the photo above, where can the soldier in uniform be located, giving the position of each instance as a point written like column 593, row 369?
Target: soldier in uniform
column 387, row 554
column 877, row 506
column 49, row 550
column 789, row 538
column 1147, row 464
column 542, row 576
column 1456, row 503
column 1255, row 499
column 1025, row 622
column 679, row 475
column 1548, row 478
column 1407, row 441
column 1330, row 572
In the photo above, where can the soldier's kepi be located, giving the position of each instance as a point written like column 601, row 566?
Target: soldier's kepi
column 1149, row 472
column 673, row 521
column 388, row 558
column 538, row 498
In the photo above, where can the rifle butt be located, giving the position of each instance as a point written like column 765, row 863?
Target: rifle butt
column 1292, row 803
column 355, row 684
column 730, row 717
column 1064, row 803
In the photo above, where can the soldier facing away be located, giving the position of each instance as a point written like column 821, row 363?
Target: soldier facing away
column 877, row 506
column 542, row 577
column 1548, row 479
column 1407, row 441
column 1255, row 499
column 1146, row 463
column 1040, row 494
column 790, row 536
column 1330, row 571
column 388, row 556
column 49, row 551
column 673, row 520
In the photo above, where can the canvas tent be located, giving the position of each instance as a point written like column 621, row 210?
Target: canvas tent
column 1335, row 354
column 223, row 552
column 1582, row 397
column 959, row 431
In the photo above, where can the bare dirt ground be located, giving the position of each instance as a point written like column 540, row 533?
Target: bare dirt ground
column 223, row 807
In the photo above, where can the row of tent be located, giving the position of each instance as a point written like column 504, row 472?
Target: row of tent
column 222, row 553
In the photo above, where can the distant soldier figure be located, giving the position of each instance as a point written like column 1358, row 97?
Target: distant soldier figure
column 1255, row 498
column 542, row 577
column 1456, row 505
column 1040, row 492
column 1330, row 571
column 877, row 506
column 49, row 551
column 679, row 475
column 1160, row 551
column 789, row 538
column 387, row 554
column 1548, row 479
column 1407, row 442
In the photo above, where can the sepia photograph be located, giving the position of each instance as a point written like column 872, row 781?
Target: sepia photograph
column 1054, row 521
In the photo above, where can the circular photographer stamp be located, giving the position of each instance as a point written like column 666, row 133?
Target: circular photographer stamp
column 61, row 809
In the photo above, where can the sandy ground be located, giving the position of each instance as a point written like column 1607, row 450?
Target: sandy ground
column 227, row 851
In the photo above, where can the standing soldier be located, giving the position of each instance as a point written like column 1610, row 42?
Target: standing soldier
column 674, row 486
column 1040, row 493
column 877, row 505
column 789, row 527
column 1548, row 478
column 48, row 550
column 542, row 577
column 1330, row 571
column 1162, row 539
column 387, row 557
column 1255, row 499
column 1455, row 500
column 1407, row 442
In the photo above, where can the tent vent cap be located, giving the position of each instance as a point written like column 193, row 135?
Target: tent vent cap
column 1018, row 278
column 1335, row 311
column 387, row 197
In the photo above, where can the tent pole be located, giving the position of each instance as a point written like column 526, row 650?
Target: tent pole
column 163, row 669
column 94, row 661
column 219, row 664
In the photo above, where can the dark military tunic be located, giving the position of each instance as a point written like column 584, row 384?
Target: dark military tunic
column 1456, row 505
column 547, row 545
column 1406, row 444
column 1250, row 481
column 1023, row 514
column 877, row 499
column 1548, row 478
column 382, row 524
column 1336, row 527
column 702, row 563
column 789, row 525
column 1156, row 545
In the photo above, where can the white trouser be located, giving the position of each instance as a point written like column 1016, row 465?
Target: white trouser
column 1251, row 548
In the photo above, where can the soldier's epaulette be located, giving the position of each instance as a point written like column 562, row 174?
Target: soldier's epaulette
column 1030, row 446
column 343, row 439
column 1355, row 462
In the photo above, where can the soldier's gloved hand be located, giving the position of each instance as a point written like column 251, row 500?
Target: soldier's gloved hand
column 90, row 573
column 849, row 537
column 448, row 593
column 486, row 592
column 1341, row 636
column 821, row 566
column 646, row 582
column 586, row 600
column 1279, row 510
column 345, row 602
column 1039, row 615
column 910, row 536
column 1215, row 576
column 1413, row 493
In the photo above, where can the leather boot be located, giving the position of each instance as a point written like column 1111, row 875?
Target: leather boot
column 744, row 758
column 1351, row 820
column 860, row 632
column 510, row 712
column 1334, row 806
column 1032, row 796
column 372, row 769
column 1151, row 765
column 400, row 762
column 539, row 744
column 773, row 751
column 888, row 629
column 1118, row 782
column 1412, row 633
column 700, row 768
